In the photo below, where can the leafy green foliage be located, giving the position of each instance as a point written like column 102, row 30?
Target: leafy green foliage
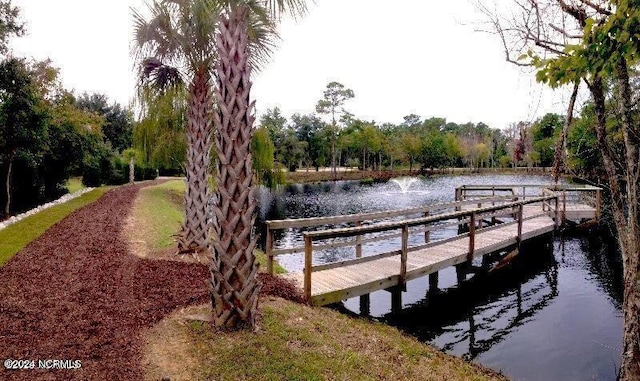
column 118, row 121
column 160, row 135
column 334, row 97
column 10, row 24
column 262, row 151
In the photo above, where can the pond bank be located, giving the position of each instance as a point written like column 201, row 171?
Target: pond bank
column 560, row 305
column 293, row 341
column 303, row 176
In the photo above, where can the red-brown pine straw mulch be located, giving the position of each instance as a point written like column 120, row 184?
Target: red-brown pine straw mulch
column 76, row 293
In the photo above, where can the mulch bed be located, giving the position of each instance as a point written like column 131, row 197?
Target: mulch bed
column 76, row 293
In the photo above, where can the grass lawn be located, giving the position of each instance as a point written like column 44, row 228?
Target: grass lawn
column 296, row 342
column 158, row 214
column 293, row 341
column 17, row 236
column 74, row 184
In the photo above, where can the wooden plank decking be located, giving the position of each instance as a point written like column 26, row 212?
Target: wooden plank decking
column 333, row 285
column 518, row 217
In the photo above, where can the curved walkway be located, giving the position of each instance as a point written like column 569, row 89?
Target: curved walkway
column 76, row 293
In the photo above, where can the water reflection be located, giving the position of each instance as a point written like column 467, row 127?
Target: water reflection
column 470, row 319
column 553, row 314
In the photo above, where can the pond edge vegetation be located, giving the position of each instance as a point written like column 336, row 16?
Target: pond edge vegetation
column 293, row 341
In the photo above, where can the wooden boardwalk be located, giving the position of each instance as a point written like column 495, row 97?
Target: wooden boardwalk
column 501, row 225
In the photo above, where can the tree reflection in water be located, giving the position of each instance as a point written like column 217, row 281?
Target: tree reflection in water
column 486, row 308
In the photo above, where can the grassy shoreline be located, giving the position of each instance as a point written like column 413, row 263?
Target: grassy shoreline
column 303, row 176
column 293, row 341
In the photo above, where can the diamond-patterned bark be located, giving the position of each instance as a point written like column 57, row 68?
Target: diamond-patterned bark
column 196, row 229
column 234, row 286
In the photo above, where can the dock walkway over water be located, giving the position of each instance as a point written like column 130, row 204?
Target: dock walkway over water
column 488, row 219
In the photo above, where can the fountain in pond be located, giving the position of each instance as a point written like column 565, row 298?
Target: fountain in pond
column 404, row 183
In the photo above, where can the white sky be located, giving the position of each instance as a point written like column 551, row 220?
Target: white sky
column 400, row 57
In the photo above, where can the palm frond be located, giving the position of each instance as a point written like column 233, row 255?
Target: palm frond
column 263, row 39
column 159, row 75
column 294, row 8
column 178, row 33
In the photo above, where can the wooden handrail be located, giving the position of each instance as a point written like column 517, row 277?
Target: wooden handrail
column 273, row 225
column 309, row 237
column 318, row 221
column 375, row 228
column 368, row 258
column 507, row 187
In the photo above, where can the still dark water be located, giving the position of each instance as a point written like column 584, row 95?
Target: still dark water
column 553, row 314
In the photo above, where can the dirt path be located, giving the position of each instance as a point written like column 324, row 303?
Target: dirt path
column 77, row 294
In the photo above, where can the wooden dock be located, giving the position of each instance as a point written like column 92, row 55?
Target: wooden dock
column 489, row 219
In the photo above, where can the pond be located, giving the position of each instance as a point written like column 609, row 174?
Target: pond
column 553, row 314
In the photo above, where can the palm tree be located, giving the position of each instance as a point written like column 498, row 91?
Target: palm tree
column 186, row 38
column 174, row 46
column 234, row 287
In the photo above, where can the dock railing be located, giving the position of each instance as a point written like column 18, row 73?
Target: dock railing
column 363, row 219
column 570, row 194
column 474, row 218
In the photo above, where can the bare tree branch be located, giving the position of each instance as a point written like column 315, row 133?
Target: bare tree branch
column 597, row 7
column 564, row 32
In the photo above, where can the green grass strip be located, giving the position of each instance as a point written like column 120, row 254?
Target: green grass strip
column 15, row 237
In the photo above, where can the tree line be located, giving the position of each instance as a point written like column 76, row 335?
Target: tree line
column 49, row 134
column 305, row 142
column 308, row 142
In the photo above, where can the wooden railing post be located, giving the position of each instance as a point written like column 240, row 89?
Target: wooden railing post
column 358, row 241
column 472, row 235
column 427, row 234
column 557, row 211
column 308, row 251
column 520, row 208
column 564, row 206
column 269, row 250
column 403, row 255
column 598, row 204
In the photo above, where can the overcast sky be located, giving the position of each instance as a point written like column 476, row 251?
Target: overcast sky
column 400, row 57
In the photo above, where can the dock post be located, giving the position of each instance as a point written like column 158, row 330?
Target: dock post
column 365, row 305
column 358, row 241
column 403, row 255
column 598, row 204
column 427, row 233
column 308, row 251
column 461, row 273
column 564, row 206
column 433, row 281
column 557, row 212
column 269, row 250
column 396, row 299
column 472, row 235
column 520, row 207
column 493, row 203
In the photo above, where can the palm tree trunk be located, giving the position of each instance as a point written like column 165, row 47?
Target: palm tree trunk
column 234, row 286
column 195, row 230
